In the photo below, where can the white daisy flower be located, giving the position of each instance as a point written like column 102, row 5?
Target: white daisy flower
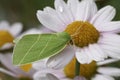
column 8, row 33
column 94, row 36
column 15, row 71
column 92, row 71
column 45, row 73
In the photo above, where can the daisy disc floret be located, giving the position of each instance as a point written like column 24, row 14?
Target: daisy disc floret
column 5, row 37
column 82, row 33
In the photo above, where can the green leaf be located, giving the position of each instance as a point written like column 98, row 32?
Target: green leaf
column 39, row 46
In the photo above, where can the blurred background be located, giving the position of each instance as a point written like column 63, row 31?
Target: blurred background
column 24, row 11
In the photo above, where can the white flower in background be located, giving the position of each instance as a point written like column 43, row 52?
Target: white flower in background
column 8, row 33
column 15, row 71
column 94, row 36
column 45, row 73
column 92, row 71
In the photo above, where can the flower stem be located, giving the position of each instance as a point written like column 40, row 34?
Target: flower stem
column 77, row 68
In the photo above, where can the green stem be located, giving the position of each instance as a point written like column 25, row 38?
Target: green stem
column 77, row 68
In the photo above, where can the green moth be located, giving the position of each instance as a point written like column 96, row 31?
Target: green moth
column 35, row 47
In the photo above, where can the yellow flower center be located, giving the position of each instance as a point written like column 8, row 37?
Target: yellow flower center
column 82, row 33
column 86, row 70
column 26, row 67
column 5, row 37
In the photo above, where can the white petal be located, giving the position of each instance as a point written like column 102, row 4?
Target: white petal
column 6, row 60
column 112, row 39
column 112, row 54
column 89, row 54
column 52, row 77
column 30, row 31
column 97, row 52
column 15, row 29
column 6, row 46
column 73, row 5
column 40, row 76
column 108, row 61
column 62, row 59
column 45, row 30
column 7, row 72
column 44, row 74
column 112, row 49
column 105, row 14
column 110, row 43
column 59, row 74
column 64, row 11
column 113, row 27
column 4, row 25
column 82, row 57
column 102, row 77
column 66, row 79
column 50, row 21
column 40, row 65
column 57, row 14
column 86, row 10
column 109, row 71
column 50, row 10
column 79, row 78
